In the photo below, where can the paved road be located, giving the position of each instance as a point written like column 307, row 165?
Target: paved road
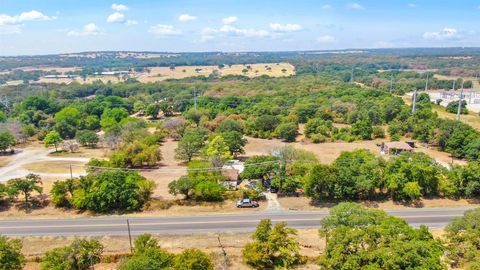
column 95, row 226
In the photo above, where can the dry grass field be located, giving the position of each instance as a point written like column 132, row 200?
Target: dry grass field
column 180, row 72
column 60, row 166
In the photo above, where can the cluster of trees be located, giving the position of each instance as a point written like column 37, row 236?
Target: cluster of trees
column 360, row 175
column 104, row 191
column 200, row 183
column 83, row 254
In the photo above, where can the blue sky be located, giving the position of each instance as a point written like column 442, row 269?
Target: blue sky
column 59, row 26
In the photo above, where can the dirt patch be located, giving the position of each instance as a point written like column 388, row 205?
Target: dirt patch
column 61, row 166
column 304, row 203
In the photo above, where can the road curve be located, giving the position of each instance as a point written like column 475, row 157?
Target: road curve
column 117, row 226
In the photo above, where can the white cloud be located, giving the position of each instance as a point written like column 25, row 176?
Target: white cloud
column 412, row 5
column 116, row 17
column 445, row 34
column 32, row 15
column 186, row 18
column 326, row 6
column 119, row 7
column 164, row 30
column 131, row 22
column 355, row 6
column 228, row 29
column 326, row 39
column 229, row 20
column 88, row 30
column 289, row 27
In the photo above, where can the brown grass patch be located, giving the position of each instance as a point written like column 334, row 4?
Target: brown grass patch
column 60, row 166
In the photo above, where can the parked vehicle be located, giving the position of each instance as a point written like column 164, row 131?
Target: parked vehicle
column 247, row 203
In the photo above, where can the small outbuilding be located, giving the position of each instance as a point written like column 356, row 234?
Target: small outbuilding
column 395, row 148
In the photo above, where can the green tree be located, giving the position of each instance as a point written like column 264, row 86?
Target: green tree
column 87, row 138
column 184, row 185
column 153, row 110
column 189, row 145
column 148, row 256
column 235, row 142
column 218, row 150
column 321, row 182
column 272, row 247
column 62, row 192
column 112, row 190
column 287, row 131
column 6, row 140
column 462, row 236
column 79, row 255
column 229, row 125
column 412, row 167
column 67, row 121
column 452, row 107
column 258, row 167
column 361, row 238
column 360, row 172
column 136, row 154
column 363, row 130
column 193, row 259
column 53, row 138
column 11, row 257
column 25, row 186
column 209, row 191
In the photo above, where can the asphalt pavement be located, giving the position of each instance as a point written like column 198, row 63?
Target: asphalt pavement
column 196, row 224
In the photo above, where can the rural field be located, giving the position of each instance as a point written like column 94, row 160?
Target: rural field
column 137, row 136
column 156, row 74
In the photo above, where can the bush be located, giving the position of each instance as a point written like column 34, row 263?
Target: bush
column 287, row 131
column 272, row 247
column 462, row 236
column 87, row 138
column 193, row 259
column 80, row 255
column 11, row 257
column 209, row 191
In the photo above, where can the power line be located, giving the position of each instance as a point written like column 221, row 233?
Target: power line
column 260, row 164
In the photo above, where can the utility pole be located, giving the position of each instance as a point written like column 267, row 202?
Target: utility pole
column 426, row 84
column 71, row 173
column 351, row 76
column 414, row 107
column 129, row 236
column 195, row 98
column 391, row 83
column 459, row 109
column 454, row 81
